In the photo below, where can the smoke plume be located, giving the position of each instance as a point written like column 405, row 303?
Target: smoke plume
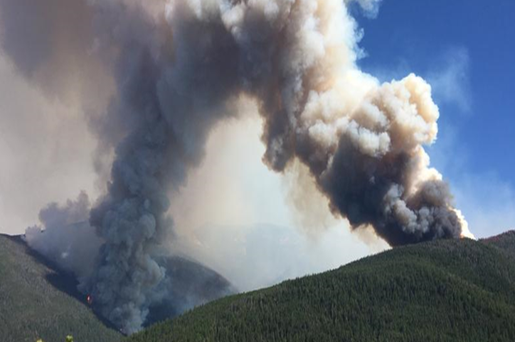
column 179, row 65
column 68, row 239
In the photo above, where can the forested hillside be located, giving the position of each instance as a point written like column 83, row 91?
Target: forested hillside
column 36, row 301
column 438, row 291
column 505, row 242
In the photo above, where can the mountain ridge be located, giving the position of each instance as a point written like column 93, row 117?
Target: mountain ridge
column 447, row 290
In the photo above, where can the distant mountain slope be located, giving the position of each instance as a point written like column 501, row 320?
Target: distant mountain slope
column 38, row 302
column 438, row 291
column 190, row 284
column 505, row 242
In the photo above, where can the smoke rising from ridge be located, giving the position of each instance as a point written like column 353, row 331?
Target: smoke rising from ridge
column 178, row 66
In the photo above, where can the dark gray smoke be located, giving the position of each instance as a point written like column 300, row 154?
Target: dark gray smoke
column 178, row 65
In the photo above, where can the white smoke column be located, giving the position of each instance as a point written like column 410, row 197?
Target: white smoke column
column 178, row 65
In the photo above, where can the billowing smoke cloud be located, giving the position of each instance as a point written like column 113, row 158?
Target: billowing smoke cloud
column 179, row 65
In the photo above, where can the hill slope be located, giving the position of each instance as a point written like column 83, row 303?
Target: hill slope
column 439, row 291
column 505, row 242
column 38, row 302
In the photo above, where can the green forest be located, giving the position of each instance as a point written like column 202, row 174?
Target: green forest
column 448, row 290
column 439, row 291
column 38, row 302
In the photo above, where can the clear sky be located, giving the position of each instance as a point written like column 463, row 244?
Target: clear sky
column 466, row 50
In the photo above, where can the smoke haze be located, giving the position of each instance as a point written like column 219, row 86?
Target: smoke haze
column 68, row 240
column 155, row 80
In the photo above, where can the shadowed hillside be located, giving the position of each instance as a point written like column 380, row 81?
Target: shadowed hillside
column 438, row 291
column 36, row 301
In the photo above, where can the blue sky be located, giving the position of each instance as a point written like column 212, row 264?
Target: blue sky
column 466, row 50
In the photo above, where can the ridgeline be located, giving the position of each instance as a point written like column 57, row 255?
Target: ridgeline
column 445, row 290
